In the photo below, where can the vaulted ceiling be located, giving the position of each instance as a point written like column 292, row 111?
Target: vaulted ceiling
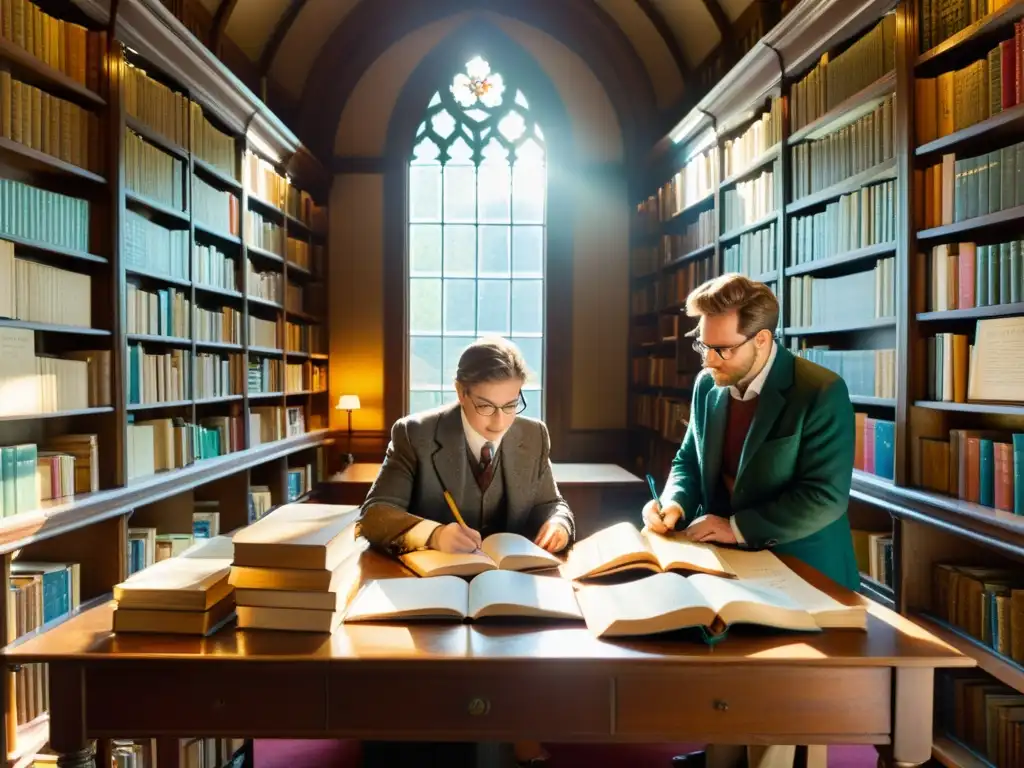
column 644, row 51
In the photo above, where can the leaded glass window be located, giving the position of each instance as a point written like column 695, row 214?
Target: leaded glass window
column 477, row 188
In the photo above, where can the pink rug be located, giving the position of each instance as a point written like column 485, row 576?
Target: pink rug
column 270, row 753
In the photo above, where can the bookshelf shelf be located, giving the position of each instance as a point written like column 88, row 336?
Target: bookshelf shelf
column 260, row 253
column 155, row 138
column 136, row 407
column 318, row 356
column 73, row 330
column 31, row 738
column 216, row 175
column 764, row 160
column 227, row 346
column 865, row 325
column 265, row 304
column 977, row 36
column 39, row 73
column 878, row 402
column 303, row 274
column 1003, row 669
column 223, row 237
column 58, row 414
column 735, row 234
column 697, row 205
column 60, row 516
column 304, row 317
column 835, row 264
column 222, row 292
column 170, row 341
column 878, row 592
column 41, row 162
column 222, row 399
column 952, row 754
column 848, row 111
column 767, row 277
column 993, row 408
column 998, row 219
column 156, row 276
column 698, row 253
column 1004, row 126
column 300, row 226
column 265, row 206
column 266, row 350
column 975, row 313
column 882, row 172
column 265, row 395
column 164, row 211
column 40, row 247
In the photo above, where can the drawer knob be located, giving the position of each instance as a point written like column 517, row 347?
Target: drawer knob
column 479, row 707
column 721, row 706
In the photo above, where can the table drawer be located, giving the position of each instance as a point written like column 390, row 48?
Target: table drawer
column 233, row 700
column 712, row 702
column 464, row 704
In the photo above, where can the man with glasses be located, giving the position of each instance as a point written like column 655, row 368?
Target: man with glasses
column 496, row 466
column 494, row 463
column 767, row 458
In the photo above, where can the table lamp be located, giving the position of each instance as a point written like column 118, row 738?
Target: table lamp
column 348, row 403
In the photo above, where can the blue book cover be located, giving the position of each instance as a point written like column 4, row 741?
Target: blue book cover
column 885, row 440
column 1018, row 474
column 986, row 473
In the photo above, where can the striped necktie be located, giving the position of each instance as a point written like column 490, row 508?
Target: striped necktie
column 486, row 466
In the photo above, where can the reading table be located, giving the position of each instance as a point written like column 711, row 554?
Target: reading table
column 493, row 682
column 589, row 489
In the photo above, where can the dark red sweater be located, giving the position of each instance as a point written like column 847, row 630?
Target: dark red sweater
column 741, row 414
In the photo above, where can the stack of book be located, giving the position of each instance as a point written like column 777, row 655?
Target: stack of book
column 297, row 568
column 188, row 594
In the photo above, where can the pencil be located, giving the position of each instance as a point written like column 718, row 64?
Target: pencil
column 455, row 510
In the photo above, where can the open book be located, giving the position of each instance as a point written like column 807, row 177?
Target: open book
column 499, row 551
column 621, row 547
column 669, row 601
column 493, row 593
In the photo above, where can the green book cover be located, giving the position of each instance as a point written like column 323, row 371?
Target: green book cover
column 27, row 490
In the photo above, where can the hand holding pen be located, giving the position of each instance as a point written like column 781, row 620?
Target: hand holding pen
column 660, row 518
column 455, row 537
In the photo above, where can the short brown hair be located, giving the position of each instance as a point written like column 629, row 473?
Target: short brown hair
column 490, row 359
column 755, row 305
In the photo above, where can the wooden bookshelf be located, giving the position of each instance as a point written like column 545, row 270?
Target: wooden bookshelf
column 919, row 527
column 145, row 201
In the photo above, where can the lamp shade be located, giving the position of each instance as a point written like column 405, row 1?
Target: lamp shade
column 348, row 403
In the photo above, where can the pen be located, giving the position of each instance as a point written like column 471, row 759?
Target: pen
column 654, row 493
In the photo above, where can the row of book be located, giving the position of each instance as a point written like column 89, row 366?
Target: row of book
column 214, row 268
column 985, row 467
column 34, row 384
column 939, row 20
column 162, row 312
column 211, row 144
column 765, row 132
column 152, row 103
column 873, row 551
column 986, row 602
column 651, row 371
column 263, row 180
column 264, row 234
column 835, row 79
column 749, row 201
column 694, row 182
column 66, row 465
column 958, row 189
column 152, row 173
column 41, row 216
column 216, row 209
column 982, row 713
column 874, row 446
column 36, row 292
column 754, row 254
column 836, row 301
column 867, row 372
column 267, row 285
column 856, row 220
column 265, row 333
column 967, row 275
column 668, row 416
column 671, row 290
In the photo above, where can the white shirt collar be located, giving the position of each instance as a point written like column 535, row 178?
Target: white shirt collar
column 754, row 387
column 476, row 441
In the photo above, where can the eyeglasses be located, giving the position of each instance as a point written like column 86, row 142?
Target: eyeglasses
column 489, row 409
column 724, row 352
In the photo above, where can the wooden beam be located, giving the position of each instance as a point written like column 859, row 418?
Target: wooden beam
column 657, row 18
column 279, row 33
column 371, row 28
column 220, row 23
column 720, row 18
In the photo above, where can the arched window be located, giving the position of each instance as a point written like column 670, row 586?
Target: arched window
column 476, row 247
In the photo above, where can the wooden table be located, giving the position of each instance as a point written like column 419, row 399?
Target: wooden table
column 589, row 489
column 491, row 682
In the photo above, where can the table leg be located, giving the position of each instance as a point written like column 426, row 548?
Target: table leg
column 67, row 716
column 912, row 718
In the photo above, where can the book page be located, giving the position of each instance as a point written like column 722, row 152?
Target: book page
column 675, row 551
column 997, row 364
column 512, row 552
column 410, row 598
column 658, row 603
column 603, row 551
column 736, row 602
column 765, row 569
column 509, row 593
column 430, row 562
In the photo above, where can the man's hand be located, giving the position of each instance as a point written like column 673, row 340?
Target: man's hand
column 453, row 538
column 552, row 537
column 662, row 518
column 711, row 528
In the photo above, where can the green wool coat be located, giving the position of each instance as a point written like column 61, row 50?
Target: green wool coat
column 793, row 485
